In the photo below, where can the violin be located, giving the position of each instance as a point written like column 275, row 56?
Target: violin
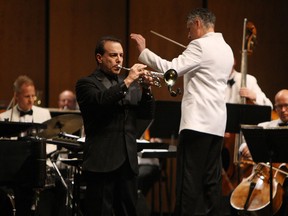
column 252, row 195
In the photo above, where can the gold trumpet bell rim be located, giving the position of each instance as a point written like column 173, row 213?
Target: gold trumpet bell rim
column 170, row 77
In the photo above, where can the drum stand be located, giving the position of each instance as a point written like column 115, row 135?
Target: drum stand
column 69, row 196
column 8, row 196
column 75, row 195
column 76, row 192
column 12, row 200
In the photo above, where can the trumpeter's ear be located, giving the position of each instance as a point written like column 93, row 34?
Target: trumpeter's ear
column 98, row 58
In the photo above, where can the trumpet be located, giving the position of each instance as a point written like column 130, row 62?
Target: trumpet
column 170, row 78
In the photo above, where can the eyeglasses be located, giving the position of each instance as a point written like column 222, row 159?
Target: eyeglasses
column 281, row 106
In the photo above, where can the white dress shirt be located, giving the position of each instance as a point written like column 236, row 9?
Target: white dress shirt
column 39, row 115
column 232, row 92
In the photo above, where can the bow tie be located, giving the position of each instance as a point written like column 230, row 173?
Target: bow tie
column 231, row 82
column 23, row 113
column 281, row 124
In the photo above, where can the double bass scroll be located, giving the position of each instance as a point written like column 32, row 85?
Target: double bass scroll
column 248, row 44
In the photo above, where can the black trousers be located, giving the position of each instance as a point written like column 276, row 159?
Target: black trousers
column 198, row 173
column 112, row 193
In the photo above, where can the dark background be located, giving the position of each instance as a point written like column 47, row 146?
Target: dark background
column 53, row 41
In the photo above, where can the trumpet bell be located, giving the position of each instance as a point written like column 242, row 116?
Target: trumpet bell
column 170, row 77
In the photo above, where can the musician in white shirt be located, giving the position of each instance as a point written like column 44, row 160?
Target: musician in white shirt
column 252, row 91
column 281, row 107
column 23, row 109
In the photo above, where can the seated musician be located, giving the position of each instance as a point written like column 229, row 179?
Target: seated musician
column 23, row 110
column 281, row 107
column 67, row 101
column 251, row 92
column 52, row 201
column 234, row 94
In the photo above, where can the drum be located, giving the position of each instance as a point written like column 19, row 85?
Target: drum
column 50, row 177
column 7, row 203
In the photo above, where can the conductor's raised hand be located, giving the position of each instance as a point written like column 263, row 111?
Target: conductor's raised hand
column 140, row 41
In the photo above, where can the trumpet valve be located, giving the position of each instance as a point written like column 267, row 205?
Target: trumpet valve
column 157, row 82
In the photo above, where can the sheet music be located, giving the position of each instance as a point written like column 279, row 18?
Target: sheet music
column 154, row 150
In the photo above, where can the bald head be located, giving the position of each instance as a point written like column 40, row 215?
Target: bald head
column 67, row 100
column 281, row 104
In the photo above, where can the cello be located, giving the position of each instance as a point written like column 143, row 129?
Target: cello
column 251, row 196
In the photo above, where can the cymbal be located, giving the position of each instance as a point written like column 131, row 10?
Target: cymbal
column 68, row 123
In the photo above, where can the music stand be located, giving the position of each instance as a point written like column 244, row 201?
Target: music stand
column 167, row 119
column 166, row 125
column 10, row 129
column 23, row 161
column 267, row 145
column 238, row 114
column 56, row 112
column 141, row 126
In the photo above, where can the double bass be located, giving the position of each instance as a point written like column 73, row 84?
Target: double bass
column 252, row 195
column 235, row 169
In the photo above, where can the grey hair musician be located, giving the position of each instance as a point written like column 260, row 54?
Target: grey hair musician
column 23, row 109
column 205, row 65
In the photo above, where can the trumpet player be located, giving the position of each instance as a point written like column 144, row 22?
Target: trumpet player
column 110, row 104
column 205, row 64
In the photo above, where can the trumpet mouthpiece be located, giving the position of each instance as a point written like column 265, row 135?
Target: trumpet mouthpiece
column 124, row 68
